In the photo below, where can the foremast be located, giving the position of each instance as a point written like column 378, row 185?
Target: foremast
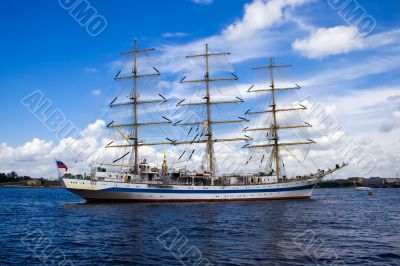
column 134, row 102
column 275, row 127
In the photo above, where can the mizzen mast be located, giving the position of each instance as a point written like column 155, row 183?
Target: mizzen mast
column 275, row 127
column 135, row 102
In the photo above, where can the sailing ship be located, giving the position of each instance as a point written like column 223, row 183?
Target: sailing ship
column 138, row 181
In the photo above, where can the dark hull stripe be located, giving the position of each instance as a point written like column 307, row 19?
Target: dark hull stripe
column 92, row 200
column 205, row 191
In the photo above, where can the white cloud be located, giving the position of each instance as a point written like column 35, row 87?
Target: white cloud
column 95, row 129
column 36, row 157
column 174, row 34
column 392, row 123
column 203, row 2
column 391, row 37
column 246, row 38
column 173, row 61
column 323, row 42
column 29, row 159
column 96, row 92
column 259, row 15
column 352, row 70
column 33, row 150
column 254, row 29
column 370, row 124
column 90, row 69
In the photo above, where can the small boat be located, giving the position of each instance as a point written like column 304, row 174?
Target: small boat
column 362, row 188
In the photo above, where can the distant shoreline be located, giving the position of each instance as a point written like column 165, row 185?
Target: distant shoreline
column 334, row 185
column 17, row 186
column 349, row 187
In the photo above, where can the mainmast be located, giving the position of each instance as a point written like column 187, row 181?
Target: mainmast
column 135, row 102
column 135, row 125
column 210, row 146
column 208, row 102
column 275, row 127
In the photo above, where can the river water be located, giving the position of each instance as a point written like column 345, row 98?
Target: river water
column 336, row 227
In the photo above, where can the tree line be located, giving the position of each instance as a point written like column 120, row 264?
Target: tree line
column 12, row 177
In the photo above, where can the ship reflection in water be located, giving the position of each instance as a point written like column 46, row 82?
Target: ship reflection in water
column 336, row 226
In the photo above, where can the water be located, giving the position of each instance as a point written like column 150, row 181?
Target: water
column 336, row 227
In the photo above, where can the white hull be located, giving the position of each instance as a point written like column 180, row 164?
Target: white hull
column 109, row 191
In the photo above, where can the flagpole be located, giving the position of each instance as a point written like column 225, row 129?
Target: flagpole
column 58, row 170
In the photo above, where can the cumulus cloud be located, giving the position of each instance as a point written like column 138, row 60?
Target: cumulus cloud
column 259, row 15
column 392, row 123
column 95, row 129
column 33, row 150
column 249, row 37
column 323, row 42
column 36, row 157
column 28, row 159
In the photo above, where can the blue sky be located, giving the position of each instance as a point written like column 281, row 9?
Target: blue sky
column 353, row 76
column 44, row 48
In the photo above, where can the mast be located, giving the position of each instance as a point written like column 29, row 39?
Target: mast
column 208, row 102
column 207, row 138
column 135, row 102
column 275, row 127
column 210, row 145
column 135, row 125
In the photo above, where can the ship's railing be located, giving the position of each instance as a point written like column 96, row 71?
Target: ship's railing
column 199, row 184
column 244, row 179
column 247, row 180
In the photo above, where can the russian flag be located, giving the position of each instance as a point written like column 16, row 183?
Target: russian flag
column 62, row 165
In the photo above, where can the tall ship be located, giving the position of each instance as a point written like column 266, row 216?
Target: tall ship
column 140, row 181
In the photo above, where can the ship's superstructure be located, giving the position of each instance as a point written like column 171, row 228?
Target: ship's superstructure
column 138, row 181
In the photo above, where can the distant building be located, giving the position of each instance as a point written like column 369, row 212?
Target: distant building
column 374, row 181
column 356, row 180
column 342, row 182
column 33, row 182
column 393, row 181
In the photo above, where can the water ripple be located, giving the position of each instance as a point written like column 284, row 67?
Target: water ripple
column 342, row 225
